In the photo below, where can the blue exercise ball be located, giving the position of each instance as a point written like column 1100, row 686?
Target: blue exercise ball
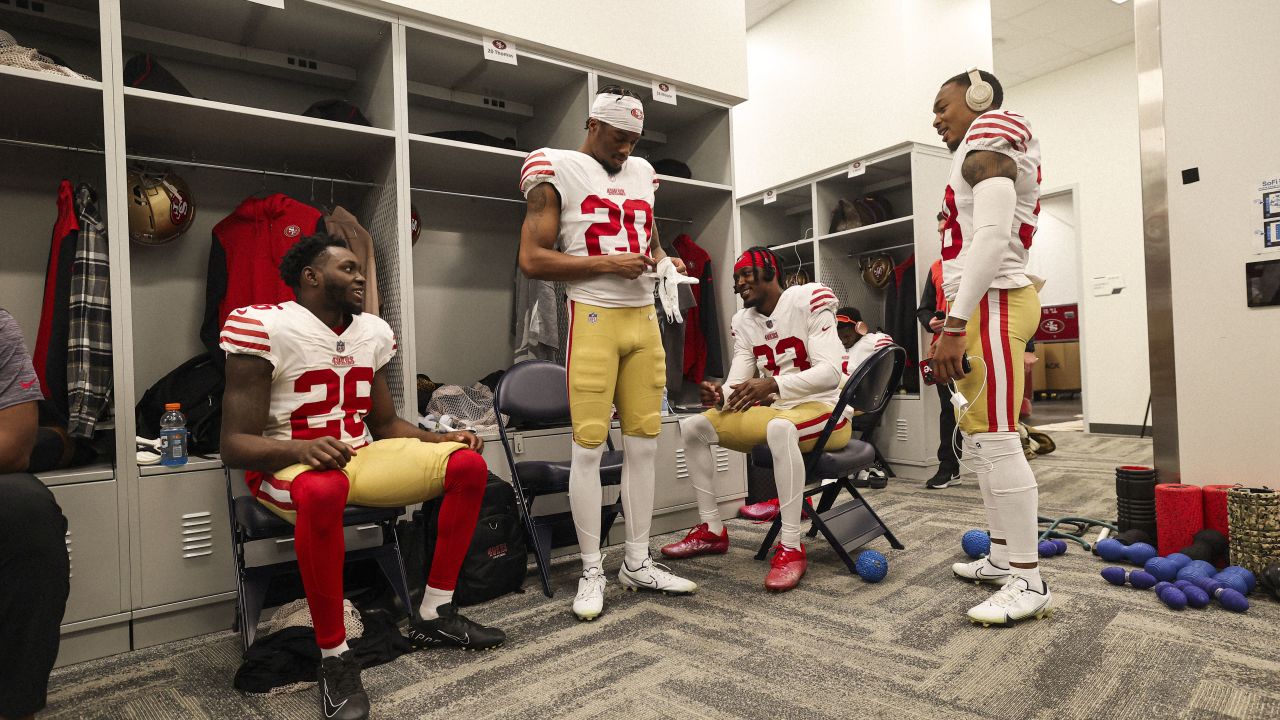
column 871, row 566
column 976, row 543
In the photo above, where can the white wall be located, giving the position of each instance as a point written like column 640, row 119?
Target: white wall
column 698, row 43
column 1056, row 253
column 1219, row 113
column 832, row 80
column 1086, row 116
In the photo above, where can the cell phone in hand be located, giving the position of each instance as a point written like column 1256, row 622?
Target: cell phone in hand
column 926, row 372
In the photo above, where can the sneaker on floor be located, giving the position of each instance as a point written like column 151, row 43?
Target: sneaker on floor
column 1015, row 601
column 981, row 571
column 590, row 600
column 699, row 541
column 943, row 479
column 761, row 511
column 862, row 480
column 453, row 630
column 655, row 576
column 342, row 695
column 877, row 479
column 786, row 568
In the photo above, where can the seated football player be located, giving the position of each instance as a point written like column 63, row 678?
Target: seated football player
column 858, row 340
column 308, row 414
column 859, row 344
column 783, row 383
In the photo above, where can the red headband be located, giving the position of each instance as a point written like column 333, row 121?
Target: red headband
column 754, row 258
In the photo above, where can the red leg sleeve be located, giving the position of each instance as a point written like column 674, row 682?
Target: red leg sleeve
column 320, row 496
column 464, row 481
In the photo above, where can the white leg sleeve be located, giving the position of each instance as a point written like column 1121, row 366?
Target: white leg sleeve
column 788, row 472
column 1013, row 488
column 638, row 455
column 999, row 555
column 697, row 436
column 584, row 501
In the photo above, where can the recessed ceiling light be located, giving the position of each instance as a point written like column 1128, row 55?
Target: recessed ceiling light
column 1119, row 2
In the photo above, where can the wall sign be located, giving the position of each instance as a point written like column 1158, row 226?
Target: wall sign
column 664, row 92
column 856, row 168
column 499, row 50
column 1268, row 204
column 1059, row 323
column 770, row 196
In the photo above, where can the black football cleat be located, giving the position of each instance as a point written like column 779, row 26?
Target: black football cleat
column 342, row 695
column 453, row 630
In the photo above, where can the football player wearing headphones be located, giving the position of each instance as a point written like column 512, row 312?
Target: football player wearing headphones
column 990, row 207
column 783, row 383
column 596, row 204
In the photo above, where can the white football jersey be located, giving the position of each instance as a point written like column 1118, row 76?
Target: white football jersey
column 797, row 345
column 862, row 350
column 600, row 214
column 321, row 381
column 1008, row 134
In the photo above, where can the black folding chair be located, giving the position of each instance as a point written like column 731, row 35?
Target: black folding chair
column 852, row 524
column 535, row 395
column 251, row 521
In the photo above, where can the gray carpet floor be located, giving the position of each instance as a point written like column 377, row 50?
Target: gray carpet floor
column 836, row 647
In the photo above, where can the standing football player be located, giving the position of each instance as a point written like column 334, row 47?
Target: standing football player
column 596, row 205
column 783, row 383
column 990, row 208
column 306, row 397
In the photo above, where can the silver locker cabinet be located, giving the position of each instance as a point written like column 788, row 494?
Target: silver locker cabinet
column 184, row 535
column 93, row 544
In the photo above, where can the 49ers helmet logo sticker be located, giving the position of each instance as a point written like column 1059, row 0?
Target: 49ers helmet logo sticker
column 499, row 44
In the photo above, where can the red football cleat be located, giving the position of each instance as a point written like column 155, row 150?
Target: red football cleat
column 761, row 511
column 786, row 568
column 699, row 541
column 765, row 511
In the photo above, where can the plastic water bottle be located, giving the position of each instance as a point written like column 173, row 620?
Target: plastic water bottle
column 173, row 435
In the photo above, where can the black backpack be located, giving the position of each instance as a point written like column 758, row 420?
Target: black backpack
column 197, row 384
column 497, row 561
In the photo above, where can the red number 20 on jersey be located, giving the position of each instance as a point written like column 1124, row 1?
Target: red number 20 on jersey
column 618, row 219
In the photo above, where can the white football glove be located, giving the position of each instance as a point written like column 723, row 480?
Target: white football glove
column 669, row 281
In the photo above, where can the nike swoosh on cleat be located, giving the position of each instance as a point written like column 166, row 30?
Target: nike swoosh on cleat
column 464, row 640
column 329, row 708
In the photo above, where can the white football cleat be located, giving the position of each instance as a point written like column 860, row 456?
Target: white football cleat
column 1015, row 601
column 981, row 571
column 590, row 600
column 654, row 576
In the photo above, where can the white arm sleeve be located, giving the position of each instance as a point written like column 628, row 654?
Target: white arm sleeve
column 994, row 200
column 826, row 354
column 743, row 365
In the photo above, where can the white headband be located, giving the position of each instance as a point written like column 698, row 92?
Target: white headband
column 621, row 111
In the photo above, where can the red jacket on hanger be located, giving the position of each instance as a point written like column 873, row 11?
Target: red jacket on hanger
column 700, row 320
column 50, row 355
column 244, row 259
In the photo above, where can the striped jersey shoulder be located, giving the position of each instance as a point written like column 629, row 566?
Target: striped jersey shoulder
column 999, row 129
column 248, row 329
column 819, row 297
column 539, row 167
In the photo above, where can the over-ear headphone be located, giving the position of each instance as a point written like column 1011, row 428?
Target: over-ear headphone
column 980, row 94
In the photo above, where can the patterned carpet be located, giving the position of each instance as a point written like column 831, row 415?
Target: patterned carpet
column 836, row 647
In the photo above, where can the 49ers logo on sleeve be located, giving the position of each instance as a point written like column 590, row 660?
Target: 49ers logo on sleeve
column 292, row 231
column 637, row 113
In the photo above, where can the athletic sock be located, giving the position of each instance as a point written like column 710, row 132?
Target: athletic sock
column 788, row 472
column 319, row 497
column 697, row 436
column 1032, row 576
column 1013, row 488
column 334, row 651
column 433, row 598
column 584, row 500
column 638, row 457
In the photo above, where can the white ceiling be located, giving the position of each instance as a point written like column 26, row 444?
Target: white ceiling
column 1035, row 37
column 1032, row 37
